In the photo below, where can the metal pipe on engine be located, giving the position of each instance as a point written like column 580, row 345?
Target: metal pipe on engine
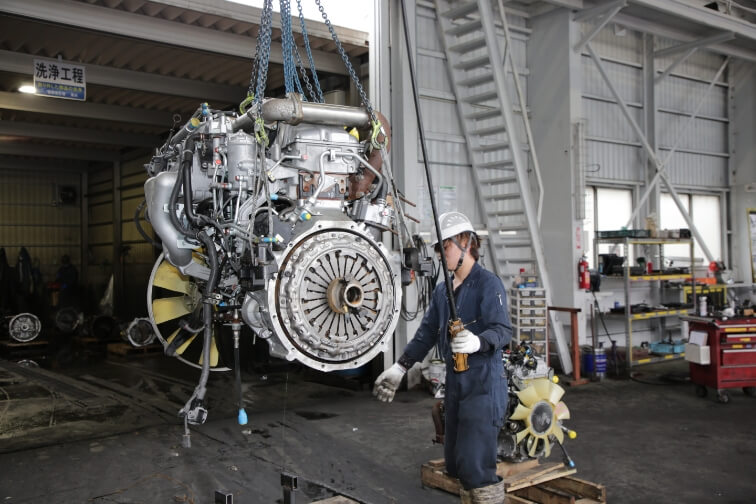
column 292, row 110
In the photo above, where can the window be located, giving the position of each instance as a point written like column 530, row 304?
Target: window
column 605, row 210
column 705, row 212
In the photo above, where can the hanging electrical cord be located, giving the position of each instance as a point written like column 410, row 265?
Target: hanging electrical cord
column 423, row 284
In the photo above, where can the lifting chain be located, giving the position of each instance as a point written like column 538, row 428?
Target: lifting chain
column 287, row 45
column 377, row 127
column 311, row 60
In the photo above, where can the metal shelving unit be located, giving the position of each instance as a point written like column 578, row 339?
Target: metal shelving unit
column 529, row 315
column 658, row 278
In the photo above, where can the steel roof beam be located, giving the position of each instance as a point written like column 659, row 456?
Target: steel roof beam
column 698, row 14
column 141, row 81
column 604, row 12
column 250, row 14
column 67, row 133
column 644, row 26
column 139, row 26
column 56, row 106
column 26, row 165
column 599, row 10
column 56, row 151
column 695, row 44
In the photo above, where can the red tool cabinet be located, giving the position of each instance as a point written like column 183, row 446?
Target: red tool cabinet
column 732, row 356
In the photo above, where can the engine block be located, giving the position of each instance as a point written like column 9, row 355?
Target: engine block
column 295, row 210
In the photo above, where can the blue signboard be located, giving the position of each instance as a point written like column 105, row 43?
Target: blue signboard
column 60, row 79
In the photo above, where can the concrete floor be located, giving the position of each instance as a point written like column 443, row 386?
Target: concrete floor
column 107, row 433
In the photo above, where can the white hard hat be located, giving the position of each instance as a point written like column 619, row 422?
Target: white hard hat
column 452, row 224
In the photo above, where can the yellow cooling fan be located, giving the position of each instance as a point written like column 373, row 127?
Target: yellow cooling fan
column 173, row 297
column 542, row 411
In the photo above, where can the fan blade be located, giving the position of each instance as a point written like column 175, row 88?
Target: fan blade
column 520, row 413
column 180, row 350
column 168, row 277
column 561, row 411
column 213, row 354
column 546, row 447
column 555, row 393
column 170, row 338
column 529, row 396
column 559, row 434
column 169, row 308
column 542, row 387
column 533, row 446
column 521, row 435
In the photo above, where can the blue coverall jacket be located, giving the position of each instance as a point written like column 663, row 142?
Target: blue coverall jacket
column 476, row 400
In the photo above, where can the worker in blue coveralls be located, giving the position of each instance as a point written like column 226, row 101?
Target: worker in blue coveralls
column 476, row 399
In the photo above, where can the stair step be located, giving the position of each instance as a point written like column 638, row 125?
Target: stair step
column 502, row 197
column 516, row 244
column 477, row 80
column 491, row 147
column 498, row 180
column 461, row 10
column 519, row 227
column 462, row 29
column 478, row 62
column 505, row 213
column 500, row 163
column 480, row 97
column 468, row 46
column 484, row 114
column 510, row 260
column 490, row 130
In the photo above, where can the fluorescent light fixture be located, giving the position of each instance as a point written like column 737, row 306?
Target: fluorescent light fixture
column 27, row 88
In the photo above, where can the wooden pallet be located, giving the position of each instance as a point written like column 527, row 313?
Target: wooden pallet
column 126, row 350
column 12, row 344
column 526, row 483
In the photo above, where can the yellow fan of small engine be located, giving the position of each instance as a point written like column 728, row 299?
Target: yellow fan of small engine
column 174, row 304
column 542, row 411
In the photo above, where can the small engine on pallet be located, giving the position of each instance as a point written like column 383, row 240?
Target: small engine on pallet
column 535, row 410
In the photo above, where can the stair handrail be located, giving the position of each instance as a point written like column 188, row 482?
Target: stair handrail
column 523, row 108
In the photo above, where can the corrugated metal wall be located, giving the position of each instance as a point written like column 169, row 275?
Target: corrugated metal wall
column 136, row 257
column 447, row 150
column 614, row 153
column 138, row 262
column 32, row 216
column 100, row 230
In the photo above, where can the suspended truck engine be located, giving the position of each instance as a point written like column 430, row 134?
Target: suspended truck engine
column 273, row 219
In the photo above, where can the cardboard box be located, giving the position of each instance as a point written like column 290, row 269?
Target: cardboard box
column 698, row 354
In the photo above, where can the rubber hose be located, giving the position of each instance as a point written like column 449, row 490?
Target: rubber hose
column 139, row 227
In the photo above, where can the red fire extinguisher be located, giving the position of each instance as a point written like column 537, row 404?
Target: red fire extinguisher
column 584, row 276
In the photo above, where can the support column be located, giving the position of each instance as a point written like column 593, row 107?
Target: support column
column 649, row 120
column 84, row 228
column 117, row 239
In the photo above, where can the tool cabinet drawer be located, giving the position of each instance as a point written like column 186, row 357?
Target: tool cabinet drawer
column 739, row 357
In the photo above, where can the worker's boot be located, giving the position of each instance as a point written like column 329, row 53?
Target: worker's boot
column 465, row 496
column 491, row 494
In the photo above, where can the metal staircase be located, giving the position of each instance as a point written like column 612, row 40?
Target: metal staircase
column 510, row 211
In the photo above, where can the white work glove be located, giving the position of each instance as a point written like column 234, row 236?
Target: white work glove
column 465, row 342
column 388, row 382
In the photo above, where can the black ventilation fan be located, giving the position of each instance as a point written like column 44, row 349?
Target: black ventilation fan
column 65, row 195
